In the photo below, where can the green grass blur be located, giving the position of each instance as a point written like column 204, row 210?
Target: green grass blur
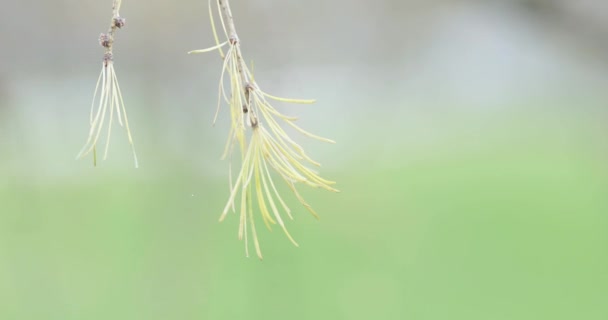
column 505, row 223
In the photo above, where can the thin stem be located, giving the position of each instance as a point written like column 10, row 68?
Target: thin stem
column 235, row 42
column 116, row 23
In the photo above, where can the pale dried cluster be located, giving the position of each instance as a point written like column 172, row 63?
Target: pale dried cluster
column 107, row 99
column 263, row 144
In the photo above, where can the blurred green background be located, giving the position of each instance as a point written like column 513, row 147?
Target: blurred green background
column 471, row 156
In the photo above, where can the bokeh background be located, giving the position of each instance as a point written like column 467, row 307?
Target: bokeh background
column 471, row 155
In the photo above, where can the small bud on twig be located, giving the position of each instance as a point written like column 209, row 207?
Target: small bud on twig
column 105, row 40
column 119, row 22
column 233, row 39
column 107, row 58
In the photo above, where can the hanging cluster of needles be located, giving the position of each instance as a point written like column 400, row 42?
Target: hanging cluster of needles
column 107, row 99
column 263, row 143
column 256, row 130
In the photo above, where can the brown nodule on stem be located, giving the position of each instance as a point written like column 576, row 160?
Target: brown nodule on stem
column 248, row 89
column 254, row 122
column 119, row 22
column 107, row 58
column 233, row 39
column 105, row 40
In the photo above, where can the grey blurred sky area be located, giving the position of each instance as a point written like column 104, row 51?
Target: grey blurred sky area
column 381, row 65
